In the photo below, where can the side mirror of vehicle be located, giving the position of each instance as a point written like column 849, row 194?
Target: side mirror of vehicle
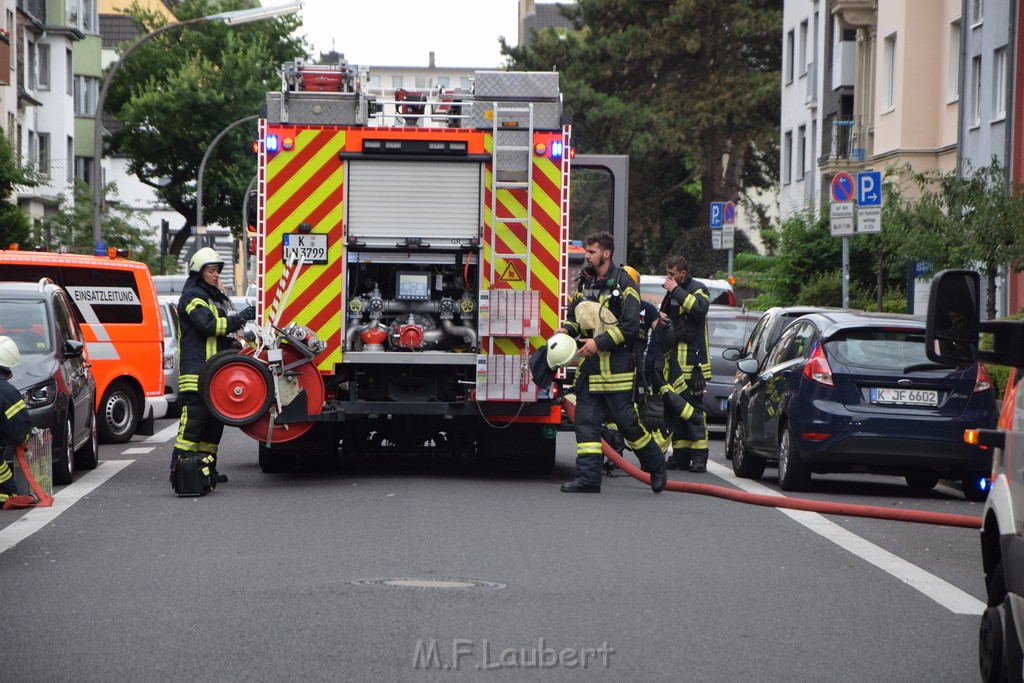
column 73, row 349
column 748, row 366
column 732, row 354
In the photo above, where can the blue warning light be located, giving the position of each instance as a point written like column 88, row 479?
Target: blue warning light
column 272, row 143
column 556, row 149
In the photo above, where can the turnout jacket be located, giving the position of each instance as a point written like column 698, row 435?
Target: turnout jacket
column 15, row 425
column 612, row 368
column 205, row 323
column 687, row 310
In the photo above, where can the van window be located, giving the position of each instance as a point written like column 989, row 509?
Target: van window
column 100, row 294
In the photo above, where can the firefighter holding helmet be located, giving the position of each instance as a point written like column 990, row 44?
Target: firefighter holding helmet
column 15, row 426
column 206, row 321
column 605, row 315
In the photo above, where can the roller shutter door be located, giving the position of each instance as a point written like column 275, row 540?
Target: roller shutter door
column 389, row 201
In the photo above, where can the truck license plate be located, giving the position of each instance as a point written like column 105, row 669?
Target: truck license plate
column 905, row 397
column 312, row 248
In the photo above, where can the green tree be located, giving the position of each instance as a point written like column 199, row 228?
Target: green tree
column 70, row 228
column 687, row 88
column 180, row 89
column 15, row 226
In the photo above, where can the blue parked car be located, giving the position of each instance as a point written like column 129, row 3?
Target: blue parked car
column 848, row 391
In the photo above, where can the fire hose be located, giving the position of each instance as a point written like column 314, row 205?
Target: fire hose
column 823, row 507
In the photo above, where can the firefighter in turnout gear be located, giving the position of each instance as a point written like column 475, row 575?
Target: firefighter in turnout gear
column 687, row 367
column 605, row 314
column 206, row 321
column 15, row 426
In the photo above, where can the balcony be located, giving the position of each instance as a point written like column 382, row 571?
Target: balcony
column 845, row 146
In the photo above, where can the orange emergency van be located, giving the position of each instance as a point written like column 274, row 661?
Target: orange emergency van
column 116, row 305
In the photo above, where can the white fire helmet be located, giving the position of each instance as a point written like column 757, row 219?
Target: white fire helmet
column 562, row 350
column 206, row 256
column 9, row 353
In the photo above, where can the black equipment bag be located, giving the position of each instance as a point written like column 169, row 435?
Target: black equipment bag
column 188, row 478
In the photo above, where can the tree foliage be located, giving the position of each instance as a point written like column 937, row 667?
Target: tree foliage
column 687, row 88
column 177, row 91
column 15, row 226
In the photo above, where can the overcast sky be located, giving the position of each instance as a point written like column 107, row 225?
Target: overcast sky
column 404, row 32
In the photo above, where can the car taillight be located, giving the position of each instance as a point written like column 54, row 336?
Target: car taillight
column 984, row 381
column 817, row 369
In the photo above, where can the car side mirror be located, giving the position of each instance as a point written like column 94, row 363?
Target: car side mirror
column 951, row 333
column 732, row 354
column 748, row 366
column 73, row 349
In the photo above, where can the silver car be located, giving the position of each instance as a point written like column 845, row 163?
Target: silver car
column 169, row 313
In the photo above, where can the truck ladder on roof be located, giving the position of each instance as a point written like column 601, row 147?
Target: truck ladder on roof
column 511, row 154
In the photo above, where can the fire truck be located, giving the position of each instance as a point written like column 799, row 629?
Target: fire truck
column 411, row 254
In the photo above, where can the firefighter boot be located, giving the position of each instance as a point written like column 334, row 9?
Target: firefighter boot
column 679, row 461
column 699, row 462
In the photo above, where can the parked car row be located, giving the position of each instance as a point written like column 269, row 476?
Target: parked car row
column 831, row 390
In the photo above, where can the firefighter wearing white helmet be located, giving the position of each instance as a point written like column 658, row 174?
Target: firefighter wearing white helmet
column 206, row 318
column 605, row 378
column 15, row 425
column 561, row 350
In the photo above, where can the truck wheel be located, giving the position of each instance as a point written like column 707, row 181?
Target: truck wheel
column 118, row 413
column 521, row 448
column 999, row 650
column 64, row 458
column 278, row 459
column 794, row 474
column 88, row 456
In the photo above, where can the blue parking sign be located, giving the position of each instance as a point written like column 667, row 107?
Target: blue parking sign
column 869, row 188
column 716, row 214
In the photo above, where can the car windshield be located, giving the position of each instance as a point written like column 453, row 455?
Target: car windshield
column 901, row 350
column 728, row 332
column 25, row 323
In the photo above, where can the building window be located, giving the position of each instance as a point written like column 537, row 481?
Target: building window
column 442, row 81
column 953, row 67
column 43, row 154
column 69, row 76
column 803, row 47
column 999, row 84
column 32, row 66
column 976, row 89
column 375, row 83
column 43, row 51
column 787, row 158
column 69, row 161
column 790, row 56
column 33, row 149
column 889, row 73
column 420, row 82
column 465, row 83
column 977, row 12
column 72, row 13
column 801, row 152
column 396, row 81
column 86, row 93
column 90, row 18
column 83, row 169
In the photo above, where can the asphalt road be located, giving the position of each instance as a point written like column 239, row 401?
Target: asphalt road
column 293, row 577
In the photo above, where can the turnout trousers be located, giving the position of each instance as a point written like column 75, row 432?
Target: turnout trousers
column 199, row 432
column 595, row 409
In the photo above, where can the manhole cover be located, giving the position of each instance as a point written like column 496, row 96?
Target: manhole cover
column 429, row 583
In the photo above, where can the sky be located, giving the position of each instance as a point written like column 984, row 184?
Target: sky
column 461, row 33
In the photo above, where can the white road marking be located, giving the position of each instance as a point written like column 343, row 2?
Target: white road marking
column 139, row 450
column 164, row 435
column 37, row 518
column 942, row 592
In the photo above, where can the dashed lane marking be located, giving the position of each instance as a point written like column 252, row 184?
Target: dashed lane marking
column 37, row 518
column 942, row 592
column 139, row 450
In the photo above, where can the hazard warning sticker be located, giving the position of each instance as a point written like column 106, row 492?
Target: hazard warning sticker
column 510, row 273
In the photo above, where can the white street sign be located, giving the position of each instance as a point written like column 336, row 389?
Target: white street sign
column 869, row 219
column 841, row 210
column 728, row 236
column 840, row 219
column 716, row 239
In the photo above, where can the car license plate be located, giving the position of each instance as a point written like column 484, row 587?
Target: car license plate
column 311, row 247
column 905, row 397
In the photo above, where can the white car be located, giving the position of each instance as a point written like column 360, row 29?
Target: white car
column 169, row 314
column 720, row 290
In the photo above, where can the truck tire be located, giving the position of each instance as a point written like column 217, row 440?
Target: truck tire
column 119, row 413
column 278, row 458
column 518, row 447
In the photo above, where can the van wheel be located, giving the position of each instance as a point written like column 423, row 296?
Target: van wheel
column 64, row 450
column 999, row 651
column 88, row 456
column 118, row 414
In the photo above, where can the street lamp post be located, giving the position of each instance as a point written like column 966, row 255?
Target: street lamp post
column 202, row 168
column 233, row 18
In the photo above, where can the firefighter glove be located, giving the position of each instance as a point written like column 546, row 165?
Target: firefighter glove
column 248, row 313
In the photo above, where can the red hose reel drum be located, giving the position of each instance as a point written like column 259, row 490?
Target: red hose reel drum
column 309, row 378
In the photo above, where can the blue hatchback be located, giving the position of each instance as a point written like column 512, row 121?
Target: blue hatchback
column 848, row 391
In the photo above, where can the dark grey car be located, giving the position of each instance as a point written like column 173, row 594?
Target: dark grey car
column 53, row 376
column 728, row 327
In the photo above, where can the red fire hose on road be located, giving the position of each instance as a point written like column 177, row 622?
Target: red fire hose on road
column 824, row 507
